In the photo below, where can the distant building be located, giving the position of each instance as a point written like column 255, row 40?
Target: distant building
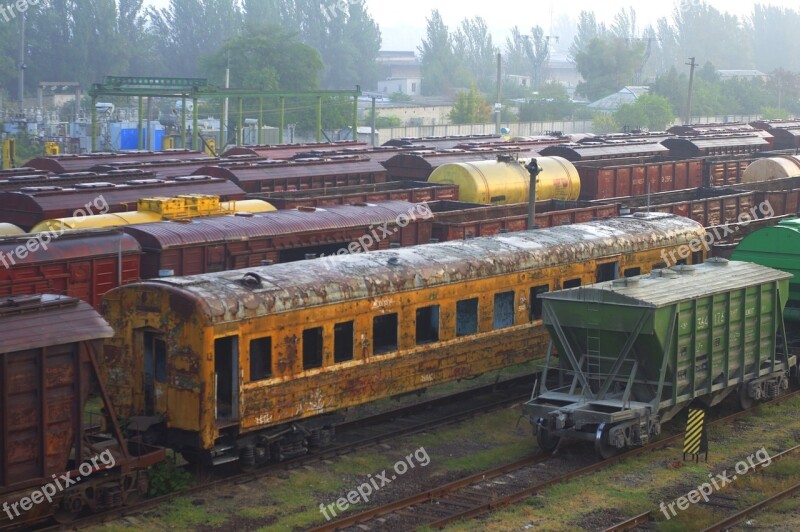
column 399, row 64
column 562, row 69
column 409, row 86
column 521, row 81
column 741, row 74
column 612, row 102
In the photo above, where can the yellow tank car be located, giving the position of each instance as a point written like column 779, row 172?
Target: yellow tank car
column 507, row 180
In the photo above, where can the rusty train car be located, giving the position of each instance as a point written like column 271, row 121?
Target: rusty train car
column 273, row 176
column 81, row 163
column 87, row 263
column 83, row 265
column 412, row 191
column 250, row 364
column 32, row 205
column 49, row 347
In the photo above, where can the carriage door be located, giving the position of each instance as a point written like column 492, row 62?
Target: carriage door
column 226, row 377
column 155, row 373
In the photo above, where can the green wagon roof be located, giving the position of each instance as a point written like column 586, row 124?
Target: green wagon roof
column 663, row 288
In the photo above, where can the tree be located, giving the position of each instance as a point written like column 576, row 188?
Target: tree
column 588, row 29
column 606, row 65
column 526, row 54
column 604, row 123
column 381, row 122
column 551, row 103
column 191, row 29
column 472, row 43
column 470, row 108
column 649, row 111
column 441, row 70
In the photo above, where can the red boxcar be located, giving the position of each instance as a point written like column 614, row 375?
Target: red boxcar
column 610, row 179
column 82, row 264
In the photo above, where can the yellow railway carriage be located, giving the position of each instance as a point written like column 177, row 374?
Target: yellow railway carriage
column 246, row 364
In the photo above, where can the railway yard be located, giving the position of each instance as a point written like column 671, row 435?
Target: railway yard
column 460, row 333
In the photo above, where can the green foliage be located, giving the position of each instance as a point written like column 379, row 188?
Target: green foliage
column 604, row 123
column 607, row 64
column 166, row 478
column 399, row 97
column 381, row 122
column 552, row 103
column 774, row 113
column 472, row 43
column 470, row 108
column 441, row 69
column 525, row 54
column 649, row 111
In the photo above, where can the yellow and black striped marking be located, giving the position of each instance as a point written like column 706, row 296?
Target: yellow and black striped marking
column 696, row 441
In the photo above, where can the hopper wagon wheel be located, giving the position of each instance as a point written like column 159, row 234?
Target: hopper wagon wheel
column 745, row 401
column 69, row 510
column 602, row 447
column 547, row 441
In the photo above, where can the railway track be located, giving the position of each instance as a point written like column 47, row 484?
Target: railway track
column 486, row 491
column 354, row 435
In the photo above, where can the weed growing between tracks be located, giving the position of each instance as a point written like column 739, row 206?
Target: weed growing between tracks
column 637, row 485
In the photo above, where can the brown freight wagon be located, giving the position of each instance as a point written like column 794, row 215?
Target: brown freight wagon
column 82, row 264
column 710, row 207
column 782, row 195
column 80, row 163
column 411, row 191
column 717, row 128
column 443, row 143
column 16, row 183
column 457, row 220
column 785, row 132
column 288, row 151
column 595, row 149
column 49, row 347
column 165, row 168
column 35, row 204
column 607, row 179
column 219, row 243
column 714, row 145
column 418, row 165
column 275, row 176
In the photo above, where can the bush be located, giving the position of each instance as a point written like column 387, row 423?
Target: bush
column 167, row 477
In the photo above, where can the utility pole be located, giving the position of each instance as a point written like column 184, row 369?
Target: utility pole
column 498, row 106
column 22, row 65
column 691, row 64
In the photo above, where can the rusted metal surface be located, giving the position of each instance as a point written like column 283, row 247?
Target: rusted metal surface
column 372, row 275
column 226, row 242
column 605, row 179
column 711, row 145
column 457, row 221
column 782, row 196
column 78, row 163
column 725, row 171
column 35, row 204
column 411, row 191
column 716, row 128
column 287, row 151
column 272, row 176
column 443, row 143
column 83, row 265
column 786, row 133
column 597, row 149
column 162, row 168
column 281, row 301
column 41, row 345
column 17, row 183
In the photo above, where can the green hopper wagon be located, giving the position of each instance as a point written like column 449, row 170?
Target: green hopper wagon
column 634, row 352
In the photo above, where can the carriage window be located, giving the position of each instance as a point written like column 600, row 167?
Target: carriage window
column 260, row 359
column 535, row 311
column 343, row 342
column 467, row 317
column 312, row 348
column 572, row 283
column 504, row 310
column 428, row 324
column 384, row 333
column 607, row 272
column 633, row 272
column 697, row 257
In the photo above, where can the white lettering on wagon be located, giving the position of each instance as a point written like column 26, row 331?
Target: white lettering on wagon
column 383, row 302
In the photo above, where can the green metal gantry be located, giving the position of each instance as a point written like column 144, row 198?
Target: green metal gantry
column 196, row 88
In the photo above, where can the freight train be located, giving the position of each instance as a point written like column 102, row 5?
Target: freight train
column 635, row 352
column 250, row 364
